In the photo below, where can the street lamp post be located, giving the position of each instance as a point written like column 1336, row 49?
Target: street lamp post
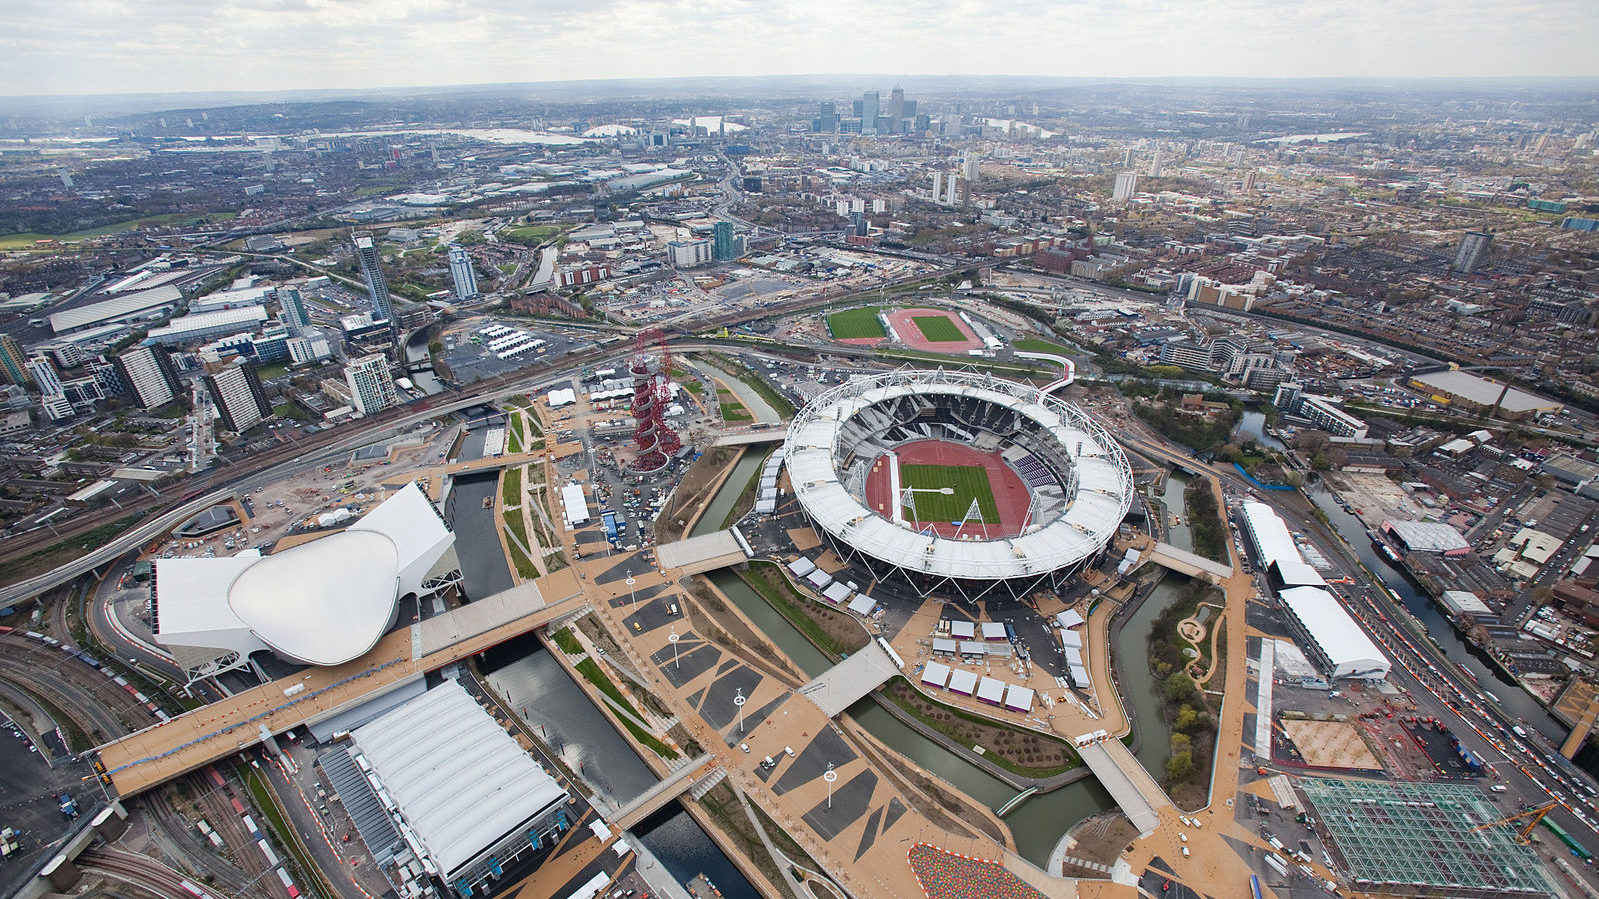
column 829, row 775
column 672, row 638
column 630, row 582
column 738, row 703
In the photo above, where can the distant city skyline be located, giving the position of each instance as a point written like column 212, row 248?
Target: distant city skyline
column 98, row 47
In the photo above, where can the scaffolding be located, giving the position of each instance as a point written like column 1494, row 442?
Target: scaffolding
column 1425, row 839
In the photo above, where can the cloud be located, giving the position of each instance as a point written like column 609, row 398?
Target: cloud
column 107, row 46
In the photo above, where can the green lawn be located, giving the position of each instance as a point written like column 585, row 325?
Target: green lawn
column 735, row 412
column 530, row 235
column 181, row 219
column 938, row 329
column 969, row 481
column 856, row 323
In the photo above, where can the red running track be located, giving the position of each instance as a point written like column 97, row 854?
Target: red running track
column 902, row 320
column 1011, row 496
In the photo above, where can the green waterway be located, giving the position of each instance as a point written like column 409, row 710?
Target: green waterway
column 1041, row 821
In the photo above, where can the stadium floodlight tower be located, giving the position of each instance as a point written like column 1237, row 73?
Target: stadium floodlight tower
column 957, row 482
column 654, row 439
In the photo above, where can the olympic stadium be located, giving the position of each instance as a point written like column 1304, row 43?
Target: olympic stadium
column 957, row 482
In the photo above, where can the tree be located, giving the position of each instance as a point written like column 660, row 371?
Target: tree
column 1180, row 767
column 1179, row 687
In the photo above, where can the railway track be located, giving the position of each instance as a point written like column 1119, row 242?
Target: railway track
column 79, row 688
column 146, row 874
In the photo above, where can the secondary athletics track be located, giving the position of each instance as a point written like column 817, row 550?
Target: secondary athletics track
column 902, row 321
column 1010, row 492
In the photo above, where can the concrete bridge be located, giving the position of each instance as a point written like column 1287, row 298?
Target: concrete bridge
column 840, row 686
column 751, row 436
column 672, row 786
column 1139, row 796
column 199, row 737
column 1184, row 562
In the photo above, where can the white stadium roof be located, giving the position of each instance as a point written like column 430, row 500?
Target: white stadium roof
column 1340, row 639
column 461, row 782
column 324, row 602
column 1094, row 509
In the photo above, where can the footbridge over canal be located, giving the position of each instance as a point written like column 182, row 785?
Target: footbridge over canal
column 1184, row 562
column 1139, row 796
column 842, row 685
column 680, row 781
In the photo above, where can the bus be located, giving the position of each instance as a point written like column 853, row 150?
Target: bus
column 1254, row 886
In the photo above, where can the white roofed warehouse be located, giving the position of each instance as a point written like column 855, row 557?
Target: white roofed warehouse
column 1333, row 637
column 1031, row 489
column 468, row 802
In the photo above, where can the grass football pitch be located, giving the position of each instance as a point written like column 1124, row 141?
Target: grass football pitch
column 852, row 324
column 969, row 481
column 938, row 329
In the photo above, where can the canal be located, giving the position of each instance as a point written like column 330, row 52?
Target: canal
column 1512, row 698
column 535, row 686
column 484, row 570
column 1037, row 825
column 416, row 351
column 744, row 471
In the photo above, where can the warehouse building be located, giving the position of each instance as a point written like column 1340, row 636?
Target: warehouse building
column 469, row 804
column 1334, row 639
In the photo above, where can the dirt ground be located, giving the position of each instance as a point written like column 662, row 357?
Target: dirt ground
column 1331, row 744
column 1375, row 496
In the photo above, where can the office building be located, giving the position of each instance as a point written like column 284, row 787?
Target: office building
column 1156, row 162
column 371, row 386
column 13, row 361
column 826, row 121
column 690, row 253
column 952, row 190
column 240, row 400
column 969, row 167
column 292, row 309
column 938, row 186
column 462, row 274
column 869, row 112
column 377, row 287
column 66, row 355
column 150, row 375
column 896, row 110
column 1473, row 248
column 1249, row 180
column 1126, row 186
column 724, row 247
column 45, row 375
column 858, row 224
column 203, row 325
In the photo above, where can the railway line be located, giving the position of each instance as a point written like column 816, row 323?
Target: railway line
column 146, row 874
column 96, row 708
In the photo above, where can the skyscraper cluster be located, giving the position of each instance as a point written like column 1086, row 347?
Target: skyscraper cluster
column 870, row 115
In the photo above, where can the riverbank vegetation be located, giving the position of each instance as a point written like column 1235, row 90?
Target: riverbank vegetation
column 1188, row 711
column 1205, row 526
column 1017, row 750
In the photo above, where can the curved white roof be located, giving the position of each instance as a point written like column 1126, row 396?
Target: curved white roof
column 1101, row 496
column 324, row 602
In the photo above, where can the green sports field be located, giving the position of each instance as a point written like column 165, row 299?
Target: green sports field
column 853, row 324
column 968, row 480
column 938, row 329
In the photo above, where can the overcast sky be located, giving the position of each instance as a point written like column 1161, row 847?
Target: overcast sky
column 116, row 46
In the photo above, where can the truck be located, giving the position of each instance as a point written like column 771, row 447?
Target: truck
column 612, row 523
column 68, row 806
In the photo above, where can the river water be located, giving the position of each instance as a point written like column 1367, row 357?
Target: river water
column 1252, row 426
column 744, row 471
column 1512, row 698
column 416, row 350
column 535, row 685
column 1039, row 823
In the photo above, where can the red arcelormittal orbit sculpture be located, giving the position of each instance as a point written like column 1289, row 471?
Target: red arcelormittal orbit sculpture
column 654, row 438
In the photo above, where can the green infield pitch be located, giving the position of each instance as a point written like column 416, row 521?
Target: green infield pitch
column 969, row 481
column 938, row 329
column 852, row 324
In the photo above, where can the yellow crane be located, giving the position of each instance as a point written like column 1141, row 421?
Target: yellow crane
column 1532, row 815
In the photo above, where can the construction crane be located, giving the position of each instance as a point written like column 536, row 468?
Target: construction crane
column 1532, row 815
